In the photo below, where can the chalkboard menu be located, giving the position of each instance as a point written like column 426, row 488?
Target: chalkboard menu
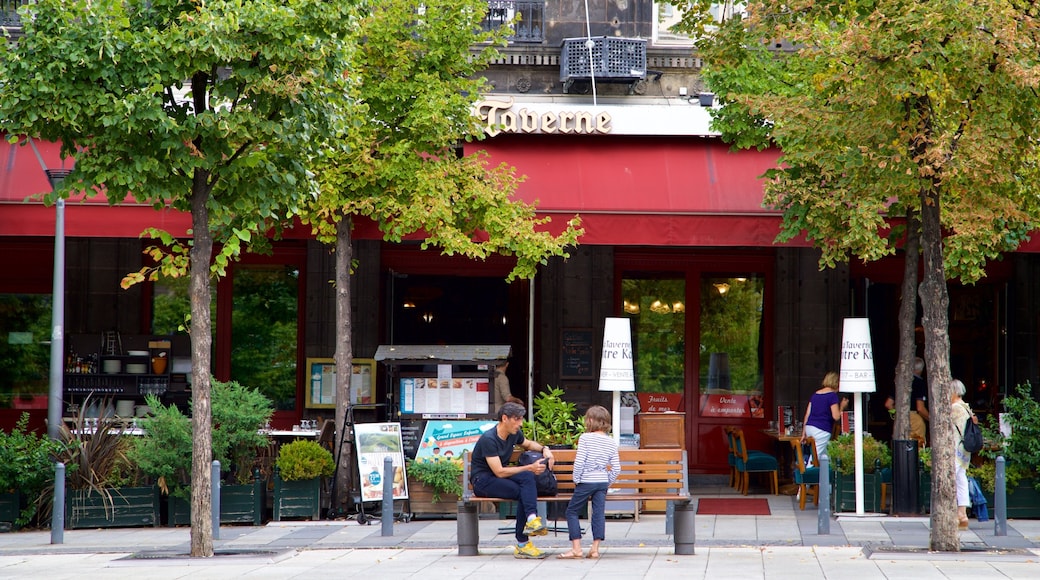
column 576, row 357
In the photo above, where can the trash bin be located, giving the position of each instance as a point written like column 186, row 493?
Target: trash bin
column 904, row 477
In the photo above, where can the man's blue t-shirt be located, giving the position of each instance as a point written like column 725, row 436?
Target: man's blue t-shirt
column 489, row 445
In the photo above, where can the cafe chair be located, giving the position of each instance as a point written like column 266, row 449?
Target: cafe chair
column 807, row 478
column 754, row 462
column 731, row 456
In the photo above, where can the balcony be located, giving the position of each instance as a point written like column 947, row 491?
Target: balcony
column 9, row 12
column 530, row 25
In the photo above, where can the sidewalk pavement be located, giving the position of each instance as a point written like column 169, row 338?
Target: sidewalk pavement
column 784, row 544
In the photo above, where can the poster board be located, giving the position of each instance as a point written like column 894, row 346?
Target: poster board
column 448, row 440
column 576, row 353
column 321, row 382
column 376, row 441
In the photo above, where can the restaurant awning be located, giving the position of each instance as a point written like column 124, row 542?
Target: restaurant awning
column 653, row 191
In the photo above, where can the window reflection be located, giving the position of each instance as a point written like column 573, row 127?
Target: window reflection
column 264, row 331
column 658, row 312
column 25, row 330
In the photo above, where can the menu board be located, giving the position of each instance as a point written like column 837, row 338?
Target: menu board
column 321, row 382
column 376, row 442
column 576, row 356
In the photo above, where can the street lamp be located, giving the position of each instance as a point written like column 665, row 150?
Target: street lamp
column 54, row 395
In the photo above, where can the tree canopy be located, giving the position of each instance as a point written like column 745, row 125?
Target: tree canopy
column 219, row 108
column 887, row 109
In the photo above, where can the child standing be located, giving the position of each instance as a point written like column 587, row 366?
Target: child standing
column 596, row 466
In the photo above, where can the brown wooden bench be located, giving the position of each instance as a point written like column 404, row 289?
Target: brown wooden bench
column 646, row 474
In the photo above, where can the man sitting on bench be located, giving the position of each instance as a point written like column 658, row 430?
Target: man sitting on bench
column 492, row 477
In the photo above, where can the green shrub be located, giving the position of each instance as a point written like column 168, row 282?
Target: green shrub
column 303, row 459
column 27, row 465
column 164, row 451
column 555, row 421
column 1021, row 450
column 842, row 452
column 443, row 476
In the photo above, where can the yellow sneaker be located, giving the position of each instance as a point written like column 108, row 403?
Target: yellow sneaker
column 535, row 527
column 528, row 551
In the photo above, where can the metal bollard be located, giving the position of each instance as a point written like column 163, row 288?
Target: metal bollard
column 1000, row 499
column 215, row 500
column 685, row 528
column 58, row 510
column 823, row 516
column 388, row 497
column 669, row 518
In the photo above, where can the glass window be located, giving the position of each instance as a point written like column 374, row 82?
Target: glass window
column 25, row 347
column 731, row 345
column 264, row 314
column 657, row 309
column 667, row 16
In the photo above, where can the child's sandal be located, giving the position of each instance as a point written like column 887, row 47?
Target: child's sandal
column 568, row 555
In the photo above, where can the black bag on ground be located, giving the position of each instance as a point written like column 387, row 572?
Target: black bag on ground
column 971, row 438
column 547, row 480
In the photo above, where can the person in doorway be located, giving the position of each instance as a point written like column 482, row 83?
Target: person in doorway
column 596, row 466
column 824, row 408
column 919, row 404
column 960, row 414
column 503, row 394
column 491, row 475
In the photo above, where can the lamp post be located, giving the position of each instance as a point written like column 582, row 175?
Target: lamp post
column 54, row 395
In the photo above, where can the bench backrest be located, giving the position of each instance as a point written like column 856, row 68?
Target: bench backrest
column 643, row 471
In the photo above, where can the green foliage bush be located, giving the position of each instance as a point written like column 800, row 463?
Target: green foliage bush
column 555, row 421
column 27, row 464
column 842, row 451
column 443, row 476
column 303, row 459
column 164, row 451
column 1021, row 450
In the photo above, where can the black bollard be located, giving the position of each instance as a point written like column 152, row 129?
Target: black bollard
column 904, row 478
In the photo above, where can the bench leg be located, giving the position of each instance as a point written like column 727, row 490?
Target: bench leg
column 468, row 529
column 685, row 528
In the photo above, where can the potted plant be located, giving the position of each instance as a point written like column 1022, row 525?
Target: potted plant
column 1020, row 451
column 299, row 469
column 876, row 458
column 556, row 422
column 103, row 487
column 164, row 452
column 26, row 471
column 434, row 486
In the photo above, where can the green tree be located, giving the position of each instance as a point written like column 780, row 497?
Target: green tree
column 888, row 109
column 416, row 79
column 217, row 108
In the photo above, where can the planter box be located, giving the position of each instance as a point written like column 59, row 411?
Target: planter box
column 10, row 509
column 239, row 504
column 924, row 491
column 420, row 500
column 119, row 508
column 843, row 492
column 297, row 499
column 1023, row 501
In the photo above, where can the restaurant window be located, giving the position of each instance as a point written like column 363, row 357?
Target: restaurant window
column 25, row 329
column 731, row 345
column 264, row 327
column 657, row 310
column 667, row 17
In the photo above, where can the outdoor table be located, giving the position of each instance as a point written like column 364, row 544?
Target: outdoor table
column 785, row 451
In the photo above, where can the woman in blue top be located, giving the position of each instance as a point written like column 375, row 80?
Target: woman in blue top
column 823, row 410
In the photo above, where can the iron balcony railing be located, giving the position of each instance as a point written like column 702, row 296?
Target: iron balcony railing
column 9, row 12
column 529, row 27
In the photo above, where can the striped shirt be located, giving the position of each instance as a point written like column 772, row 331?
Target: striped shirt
column 596, row 451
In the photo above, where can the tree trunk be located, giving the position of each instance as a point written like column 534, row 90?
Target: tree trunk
column 201, row 341
column 344, row 356
column 935, row 301
column 907, row 320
